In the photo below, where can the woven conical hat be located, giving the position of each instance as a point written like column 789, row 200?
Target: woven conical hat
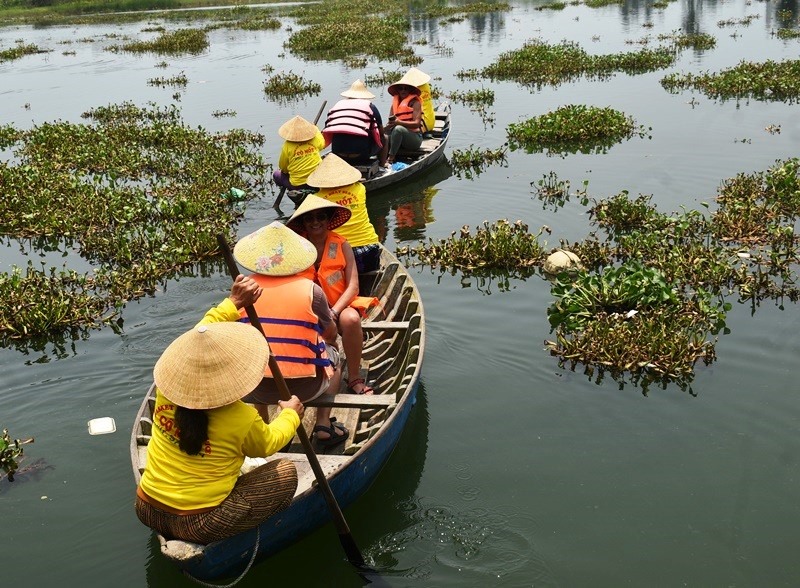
column 275, row 250
column 339, row 214
column 413, row 77
column 358, row 90
column 297, row 129
column 333, row 172
column 212, row 365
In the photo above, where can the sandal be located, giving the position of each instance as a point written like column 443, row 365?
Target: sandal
column 368, row 390
column 336, row 436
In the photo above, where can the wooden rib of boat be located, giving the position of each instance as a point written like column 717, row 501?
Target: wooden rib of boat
column 392, row 360
column 374, row 177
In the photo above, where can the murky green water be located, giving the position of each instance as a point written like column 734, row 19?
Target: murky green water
column 512, row 472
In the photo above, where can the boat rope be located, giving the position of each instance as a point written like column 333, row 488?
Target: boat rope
column 242, row 575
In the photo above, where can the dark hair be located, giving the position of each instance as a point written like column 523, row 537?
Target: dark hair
column 192, row 429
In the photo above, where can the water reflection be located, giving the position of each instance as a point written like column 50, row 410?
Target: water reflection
column 410, row 205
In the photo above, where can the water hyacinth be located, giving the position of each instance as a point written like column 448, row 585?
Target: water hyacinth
column 539, row 64
column 382, row 38
column 287, row 86
column 176, row 80
column 768, row 81
column 20, row 50
column 574, row 128
column 471, row 162
column 502, row 249
column 191, row 41
column 137, row 193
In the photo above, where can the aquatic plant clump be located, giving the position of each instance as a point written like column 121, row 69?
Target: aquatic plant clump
column 20, row 50
column 383, row 38
column 471, row 162
column 767, row 81
column 539, row 63
column 501, row 249
column 284, row 86
column 138, row 193
column 574, row 128
column 11, row 453
column 191, row 41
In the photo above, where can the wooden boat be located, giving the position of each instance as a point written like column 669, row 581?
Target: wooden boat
column 391, row 361
column 375, row 177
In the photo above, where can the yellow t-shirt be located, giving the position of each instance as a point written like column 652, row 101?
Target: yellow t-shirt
column 358, row 230
column 428, row 115
column 187, row 482
column 300, row 159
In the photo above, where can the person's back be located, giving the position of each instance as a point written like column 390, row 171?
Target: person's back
column 300, row 154
column 297, row 322
column 354, row 127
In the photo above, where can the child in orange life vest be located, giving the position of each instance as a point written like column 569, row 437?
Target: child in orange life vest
column 339, row 182
column 300, row 154
column 335, row 271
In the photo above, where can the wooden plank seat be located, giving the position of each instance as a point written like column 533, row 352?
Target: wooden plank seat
column 353, row 401
column 385, row 326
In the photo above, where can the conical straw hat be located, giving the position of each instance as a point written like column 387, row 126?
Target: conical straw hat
column 358, row 90
column 333, row 172
column 212, row 365
column 416, row 77
column 297, row 129
column 339, row 214
column 275, row 250
column 413, row 77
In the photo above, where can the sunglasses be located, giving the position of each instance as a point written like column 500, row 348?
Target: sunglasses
column 311, row 217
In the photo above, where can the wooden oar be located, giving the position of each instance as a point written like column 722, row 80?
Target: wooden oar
column 283, row 188
column 345, row 537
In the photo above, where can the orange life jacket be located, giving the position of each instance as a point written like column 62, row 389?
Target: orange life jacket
column 291, row 327
column 331, row 274
column 403, row 110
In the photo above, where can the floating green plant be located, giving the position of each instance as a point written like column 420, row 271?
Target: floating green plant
column 555, row 192
column 484, row 97
column 788, row 34
column 177, row 80
column 538, row 63
column 283, row 86
column 471, row 162
column 20, row 50
column 697, row 41
column 11, row 452
column 383, row 38
column 190, row 41
column 503, row 249
column 138, row 194
column 574, row 128
column 768, row 81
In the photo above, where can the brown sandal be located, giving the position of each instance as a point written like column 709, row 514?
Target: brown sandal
column 368, row 390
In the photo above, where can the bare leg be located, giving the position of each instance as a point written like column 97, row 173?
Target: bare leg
column 353, row 343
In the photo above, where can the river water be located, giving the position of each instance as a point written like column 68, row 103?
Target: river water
column 512, row 471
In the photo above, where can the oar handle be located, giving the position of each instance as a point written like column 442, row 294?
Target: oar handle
column 345, row 538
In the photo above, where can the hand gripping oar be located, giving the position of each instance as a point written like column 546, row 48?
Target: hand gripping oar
column 346, row 539
column 283, row 188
